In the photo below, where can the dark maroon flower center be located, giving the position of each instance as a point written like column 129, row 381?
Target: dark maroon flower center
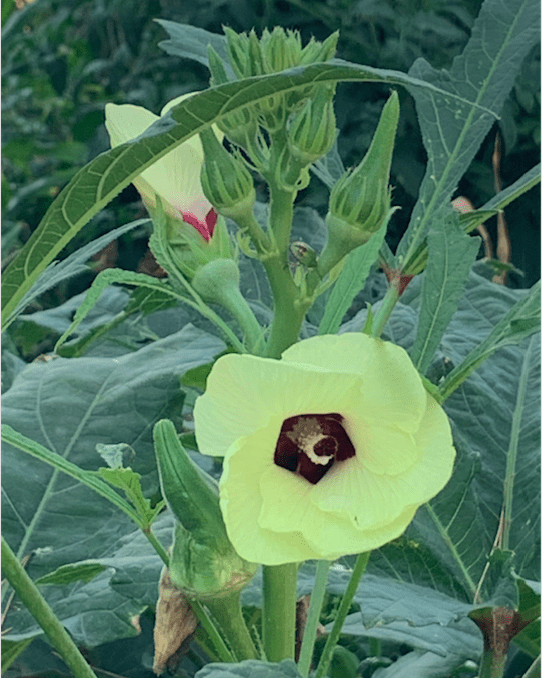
column 309, row 445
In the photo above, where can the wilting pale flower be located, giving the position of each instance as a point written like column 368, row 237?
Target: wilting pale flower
column 175, row 177
column 327, row 452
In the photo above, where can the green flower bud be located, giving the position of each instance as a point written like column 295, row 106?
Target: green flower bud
column 218, row 282
column 304, row 253
column 361, row 198
column 216, row 278
column 225, row 180
column 317, row 52
column 255, row 54
column 218, row 72
column 241, row 127
column 203, row 562
column 312, row 131
column 280, row 49
column 360, row 202
column 237, row 46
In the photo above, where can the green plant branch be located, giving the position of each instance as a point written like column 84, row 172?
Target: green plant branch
column 309, row 636
column 346, row 601
column 43, row 614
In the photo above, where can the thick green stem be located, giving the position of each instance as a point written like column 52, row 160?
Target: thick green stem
column 43, row 614
column 386, row 307
column 279, row 611
column 309, row 635
column 288, row 311
column 325, row 659
column 491, row 666
column 288, row 316
column 227, row 612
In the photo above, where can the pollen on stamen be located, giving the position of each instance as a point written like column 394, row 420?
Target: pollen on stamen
column 310, row 444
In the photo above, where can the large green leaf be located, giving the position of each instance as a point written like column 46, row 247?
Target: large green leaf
column 423, row 665
column 56, row 272
column 102, row 179
column 521, row 321
column 484, row 73
column 519, row 187
column 495, row 416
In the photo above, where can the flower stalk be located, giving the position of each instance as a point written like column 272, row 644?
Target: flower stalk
column 279, row 611
column 386, row 307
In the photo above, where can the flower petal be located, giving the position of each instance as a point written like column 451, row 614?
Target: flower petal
column 246, row 392
column 175, row 177
column 289, row 507
column 392, row 390
column 241, row 504
column 126, row 122
column 381, row 448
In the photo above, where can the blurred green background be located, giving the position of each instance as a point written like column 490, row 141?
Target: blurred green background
column 63, row 60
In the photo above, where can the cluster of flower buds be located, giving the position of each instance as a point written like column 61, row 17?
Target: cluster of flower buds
column 275, row 51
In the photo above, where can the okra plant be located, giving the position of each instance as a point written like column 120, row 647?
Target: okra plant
column 287, row 488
